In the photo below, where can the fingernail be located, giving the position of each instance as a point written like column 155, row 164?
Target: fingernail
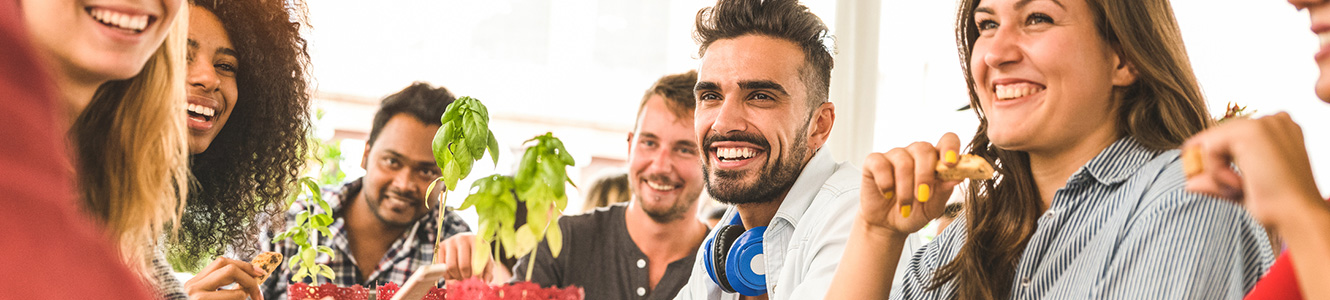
column 923, row 193
column 905, row 211
column 889, row 195
column 259, row 270
column 950, row 156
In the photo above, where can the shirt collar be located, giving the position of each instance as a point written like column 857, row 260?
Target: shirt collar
column 1118, row 162
column 805, row 188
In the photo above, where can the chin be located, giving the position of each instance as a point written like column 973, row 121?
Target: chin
column 1323, row 88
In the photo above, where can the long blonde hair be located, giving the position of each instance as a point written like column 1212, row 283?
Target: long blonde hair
column 133, row 154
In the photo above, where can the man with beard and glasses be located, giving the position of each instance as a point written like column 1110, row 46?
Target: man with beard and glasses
column 382, row 231
column 763, row 115
column 643, row 249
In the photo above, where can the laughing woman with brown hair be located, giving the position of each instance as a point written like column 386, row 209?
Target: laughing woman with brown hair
column 1080, row 103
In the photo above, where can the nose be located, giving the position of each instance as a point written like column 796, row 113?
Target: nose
column 730, row 116
column 403, row 181
column 203, row 75
column 1003, row 48
column 662, row 162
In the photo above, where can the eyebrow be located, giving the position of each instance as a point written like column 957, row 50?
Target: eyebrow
column 192, row 43
column 685, row 142
column 1019, row 5
column 706, row 86
column 418, row 163
column 227, row 51
column 763, row 85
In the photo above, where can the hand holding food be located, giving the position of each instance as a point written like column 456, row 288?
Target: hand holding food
column 208, row 283
column 268, row 262
column 900, row 187
column 1273, row 175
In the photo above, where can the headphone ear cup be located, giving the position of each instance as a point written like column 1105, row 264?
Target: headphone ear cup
column 742, row 256
column 725, row 238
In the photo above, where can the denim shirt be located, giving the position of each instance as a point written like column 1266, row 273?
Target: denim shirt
column 1123, row 227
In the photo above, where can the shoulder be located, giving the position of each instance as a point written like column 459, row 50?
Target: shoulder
column 844, row 180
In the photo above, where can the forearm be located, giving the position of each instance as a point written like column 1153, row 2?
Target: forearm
column 869, row 264
column 1308, row 237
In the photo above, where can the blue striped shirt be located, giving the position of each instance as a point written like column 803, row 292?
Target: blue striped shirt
column 1122, row 228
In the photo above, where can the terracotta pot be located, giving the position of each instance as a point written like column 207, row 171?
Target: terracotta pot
column 476, row 289
column 302, row 291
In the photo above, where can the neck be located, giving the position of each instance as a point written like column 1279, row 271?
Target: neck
column 75, row 91
column 666, row 241
column 759, row 214
column 1052, row 169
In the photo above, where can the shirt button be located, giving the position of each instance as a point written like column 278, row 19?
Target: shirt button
column 641, row 264
column 1025, row 282
column 641, row 291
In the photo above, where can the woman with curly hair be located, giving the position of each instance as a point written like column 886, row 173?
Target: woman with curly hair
column 248, row 120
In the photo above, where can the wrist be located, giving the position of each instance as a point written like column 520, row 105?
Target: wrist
column 1313, row 215
column 878, row 233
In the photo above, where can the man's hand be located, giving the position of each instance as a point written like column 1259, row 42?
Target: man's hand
column 207, row 284
column 456, row 253
column 419, row 284
column 900, row 192
column 1276, row 177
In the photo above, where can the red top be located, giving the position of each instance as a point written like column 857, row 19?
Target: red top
column 1279, row 283
column 51, row 249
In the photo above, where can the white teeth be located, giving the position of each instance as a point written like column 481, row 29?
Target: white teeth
column 120, row 20
column 1012, row 91
column 202, row 110
column 735, row 153
column 1324, row 37
column 659, row 187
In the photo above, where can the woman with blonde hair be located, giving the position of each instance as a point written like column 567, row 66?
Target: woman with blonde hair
column 1081, row 106
column 118, row 65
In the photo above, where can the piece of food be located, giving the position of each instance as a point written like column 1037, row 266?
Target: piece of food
column 268, row 261
column 1191, row 161
column 967, row 166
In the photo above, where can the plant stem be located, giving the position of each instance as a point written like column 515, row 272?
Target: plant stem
column 313, row 238
column 532, row 263
column 438, row 235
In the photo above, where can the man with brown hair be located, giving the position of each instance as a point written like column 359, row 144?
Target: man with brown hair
column 643, row 249
column 763, row 115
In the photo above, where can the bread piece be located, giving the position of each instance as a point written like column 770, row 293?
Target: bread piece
column 967, row 166
column 268, row 261
column 1191, row 161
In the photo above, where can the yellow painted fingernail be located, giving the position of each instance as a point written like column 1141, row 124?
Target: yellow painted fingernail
column 923, row 193
column 905, row 211
column 950, row 156
column 889, row 195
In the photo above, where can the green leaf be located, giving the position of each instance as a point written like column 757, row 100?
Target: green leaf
column 554, row 238
column 293, row 262
column 300, row 218
column 301, row 273
column 525, row 239
column 325, row 231
column 324, row 250
column 322, row 220
column 508, row 237
column 327, row 271
column 494, row 149
column 479, row 256
column 307, row 255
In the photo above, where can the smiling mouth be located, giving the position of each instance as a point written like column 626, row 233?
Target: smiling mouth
column 660, row 186
column 1016, row 90
column 734, row 154
column 201, row 113
column 132, row 23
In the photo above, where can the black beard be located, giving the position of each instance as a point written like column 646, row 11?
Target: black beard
column 773, row 180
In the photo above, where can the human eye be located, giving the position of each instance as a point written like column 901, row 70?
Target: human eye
column 226, row 68
column 392, row 163
column 1038, row 18
column 985, row 24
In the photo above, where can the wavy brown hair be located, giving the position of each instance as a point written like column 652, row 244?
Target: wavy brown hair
column 1160, row 109
column 249, row 168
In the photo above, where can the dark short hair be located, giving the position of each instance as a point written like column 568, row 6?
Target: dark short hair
column 677, row 91
column 420, row 100
column 783, row 19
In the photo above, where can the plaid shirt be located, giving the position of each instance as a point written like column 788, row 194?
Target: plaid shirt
column 415, row 248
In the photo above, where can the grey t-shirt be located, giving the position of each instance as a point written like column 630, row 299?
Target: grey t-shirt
column 599, row 256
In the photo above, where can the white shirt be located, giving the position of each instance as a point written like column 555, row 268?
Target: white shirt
column 805, row 240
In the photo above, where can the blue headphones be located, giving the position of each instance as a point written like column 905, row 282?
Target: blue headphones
column 731, row 255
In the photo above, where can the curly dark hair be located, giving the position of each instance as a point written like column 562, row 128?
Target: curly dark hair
column 248, row 170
